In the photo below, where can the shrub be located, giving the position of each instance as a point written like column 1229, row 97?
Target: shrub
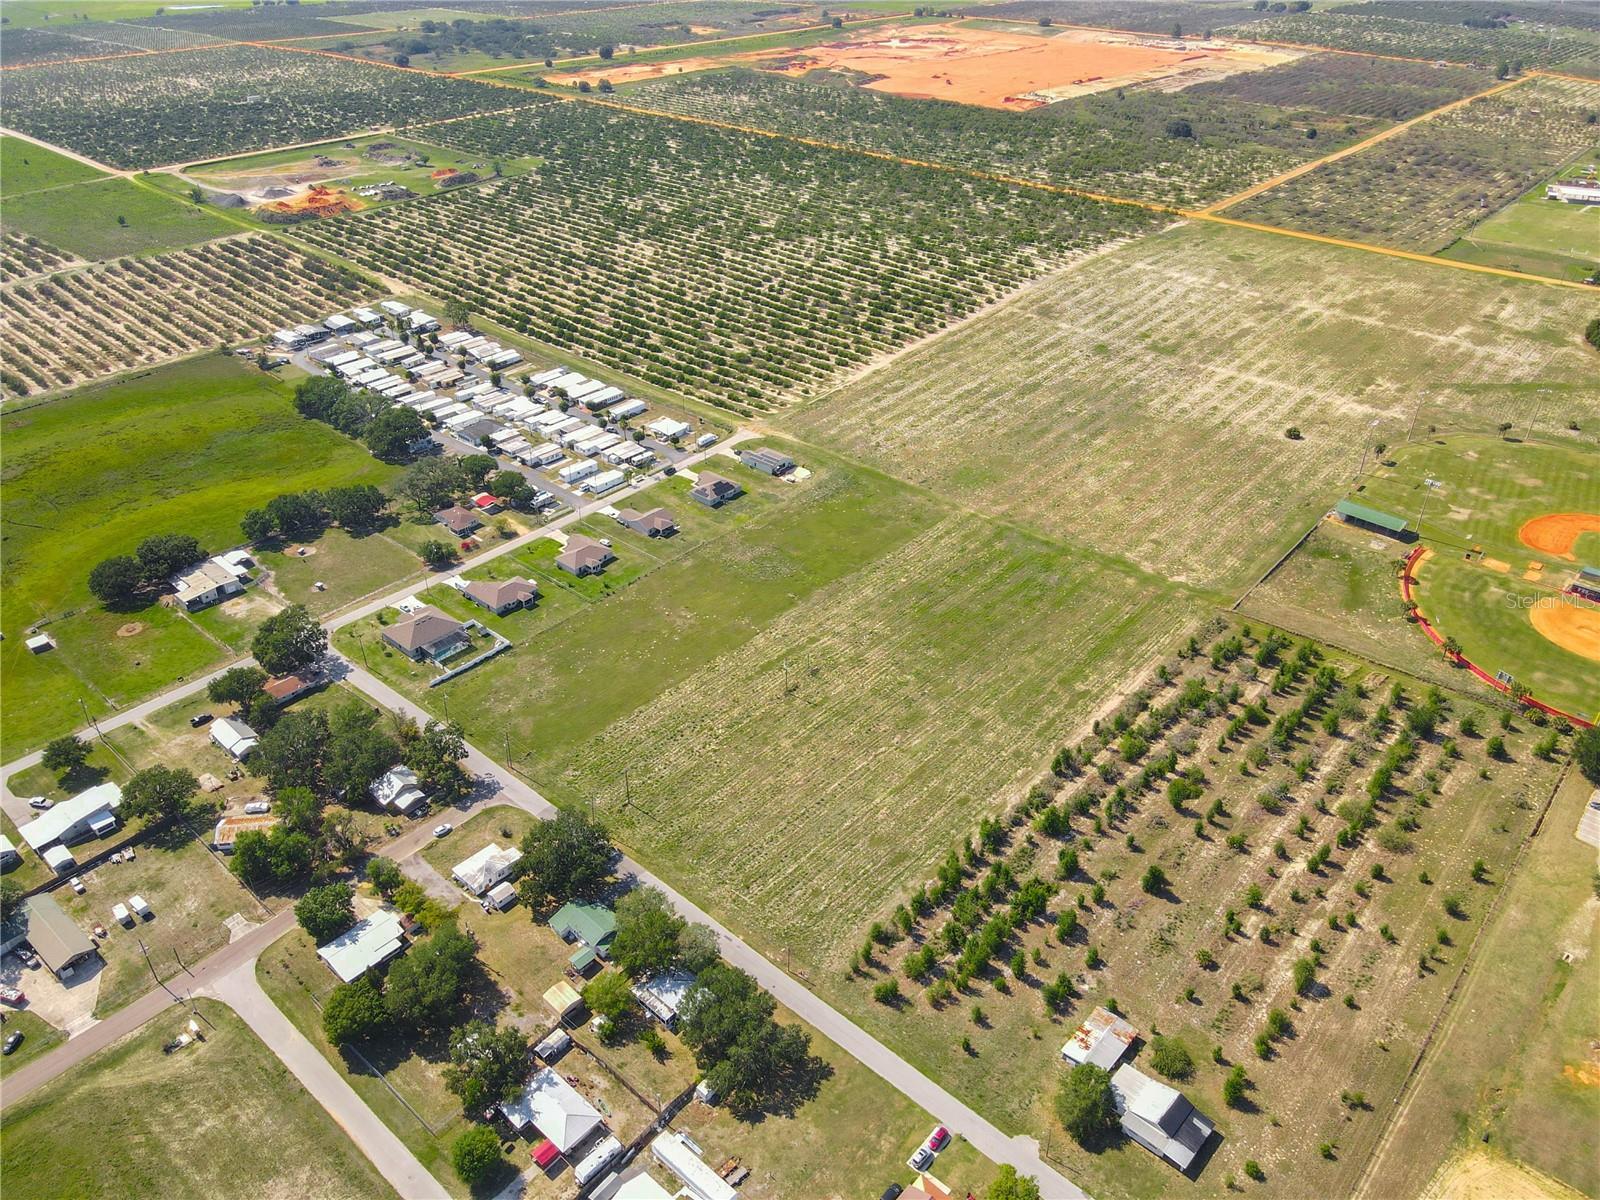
column 1168, row 1056
column 1233, row 1087
column 475, row 1154
column 1084, row 1105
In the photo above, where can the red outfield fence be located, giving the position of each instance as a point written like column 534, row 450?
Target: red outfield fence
column 1407, row 580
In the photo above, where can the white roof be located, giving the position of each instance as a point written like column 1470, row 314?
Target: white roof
column 7, row 846
column 579, row 391
column 568, row 380
column 603, row 482
column 641, row 1187
column 363, row 946
column 1158, row 1117
column 544, row 377
column 663, row 992
column 398, row 789
column 555, row 1109
column 395, row 307
column 673, row 1153
column 1102, row 1040
column 234, row 736
column 603, row 397
column 502, row 894
column 630, row 408
column 486, row 868
column 57, row 857
column 668, row 427
column 52, row 824
column 364, row 314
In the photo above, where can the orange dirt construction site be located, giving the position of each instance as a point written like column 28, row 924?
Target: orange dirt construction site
column 323, row 201
column 1557, row 533
column 987, row 67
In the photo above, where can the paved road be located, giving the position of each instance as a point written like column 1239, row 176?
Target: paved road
column 1020, row 1152
column 126, row 1020
column 239, row 990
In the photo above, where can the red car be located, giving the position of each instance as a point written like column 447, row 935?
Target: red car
column 938, row 1139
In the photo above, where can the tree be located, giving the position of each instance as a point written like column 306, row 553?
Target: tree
column 697, row 948
column 609, row 995
column 437, row 554
column 457, row 311
column 163, row 555
column 384, row 874
column 1008, row 1185
column 326, row 912
column 475, row 468
column 1233, row 1087
column 511, row 486
column 393, row 432
column 279, row 856
column 475, row 1154
column 290, row 754
column 357, row 507
column 1084, row 1105
column 487, row 1065
column 430, row 483
column 647, row 932
column 237, row 686
column 726, row 1019
column 159, row 792
column 1179, row 128
column 354, row 1012
column 435, row 755
column 256, row 525
column 317, row 397
column 11, row 897
column 568, row 855
column 116, row 580
column 425, row 986
column 289, row 641
column 296, row 512
column 1153, row 880
column 1591, row 333
column 358, row 750
column 1586, row 753
column 606, row 52
column 1168, row 1056
column 64, row 755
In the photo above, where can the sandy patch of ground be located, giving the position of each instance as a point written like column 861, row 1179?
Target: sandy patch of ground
column 991, row 68
column 1494, row 564
column 131, row 629
column 1555, row 533
column 300, row 551
column 1569, row 624
column 1478, row 1175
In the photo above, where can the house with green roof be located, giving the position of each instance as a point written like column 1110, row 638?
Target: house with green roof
column 590, row 926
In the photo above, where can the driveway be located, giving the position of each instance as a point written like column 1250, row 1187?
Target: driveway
column 69, row 1007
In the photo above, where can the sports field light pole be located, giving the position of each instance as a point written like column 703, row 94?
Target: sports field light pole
column 1373, row 424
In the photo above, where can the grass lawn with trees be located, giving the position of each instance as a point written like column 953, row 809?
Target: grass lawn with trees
column 230, row 440
column 221, row 1116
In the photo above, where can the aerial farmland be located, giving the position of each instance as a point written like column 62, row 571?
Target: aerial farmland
column 770, row 602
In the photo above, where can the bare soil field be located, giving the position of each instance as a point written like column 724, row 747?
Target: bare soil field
column 1141, row 401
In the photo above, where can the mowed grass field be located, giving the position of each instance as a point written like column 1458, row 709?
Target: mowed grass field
column 1489, row 488
column 794, row 718
column 186, row 448
column 1138, row 402
column 1547, row 237
column 25, row 167
column 1515, row 1065
column 82, row 218
column 221, row 1117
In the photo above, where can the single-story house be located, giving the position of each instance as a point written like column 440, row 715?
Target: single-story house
column 555, row 1108
column 590, row 925
column 658, row 522
column 289, row 687
column 668, row 428
column 398, row 790
column 366, row 944
column 672, row 1151
column 713, row 490
column 234, row 736
column 1159, row 1118
column 662, row 994
column 768, row 462
column 584, row 556
column 459, row 521
column 426, row 635
column 1102, row 1040
column 1374, row 519
column 56, row 938
column 501, row 597
column 486, row 868
column 91, row 813
column 205, row 583
column 8, row 852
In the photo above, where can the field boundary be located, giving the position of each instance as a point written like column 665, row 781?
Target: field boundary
column 1407, row 585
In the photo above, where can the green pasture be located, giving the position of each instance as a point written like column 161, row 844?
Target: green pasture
column 1545, row 237
column 25, row 167
column 109, row 218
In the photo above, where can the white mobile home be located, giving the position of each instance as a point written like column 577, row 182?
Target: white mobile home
column 602, row 398
column 573, row 472
column 605, row 481
column 543, row 455
column 629, row 408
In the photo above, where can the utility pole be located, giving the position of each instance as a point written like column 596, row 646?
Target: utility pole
column 159, row 982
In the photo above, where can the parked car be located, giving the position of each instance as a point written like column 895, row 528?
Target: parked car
column 76, row 884
column 892, row 1192
column 199, row 719
column 256, row 807
column 13, row 995
column 441, row 830
column 12, row 1043
column 921, row 1160
column 938, row 1139
column 41, row 802
column 706, row 439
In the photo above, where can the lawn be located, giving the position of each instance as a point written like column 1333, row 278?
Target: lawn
column 230, row 440
column 25, row 167
column 1510, row 1068
column 1140, row 402
column 350, row 567
column 223, row 1116
column 38, row 1037
column 1538, row 235
column 110, row 218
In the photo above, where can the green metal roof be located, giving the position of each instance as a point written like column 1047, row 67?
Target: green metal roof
column 581, row 959
column 1370, row 516
column 589, row 923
